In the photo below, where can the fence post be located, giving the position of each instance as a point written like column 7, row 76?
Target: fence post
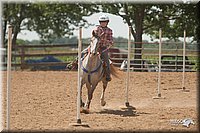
column 22, row 58
column 142, row 61
column 176, row 60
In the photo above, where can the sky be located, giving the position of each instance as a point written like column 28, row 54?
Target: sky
column 120, row 29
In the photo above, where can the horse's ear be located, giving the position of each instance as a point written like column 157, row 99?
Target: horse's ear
column 93, row 33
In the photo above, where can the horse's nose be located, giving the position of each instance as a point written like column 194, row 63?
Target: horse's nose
column 93, row 53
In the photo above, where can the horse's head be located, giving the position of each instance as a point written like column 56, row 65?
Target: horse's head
column 94, row 45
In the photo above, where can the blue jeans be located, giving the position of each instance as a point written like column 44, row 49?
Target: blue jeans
column 105, row 58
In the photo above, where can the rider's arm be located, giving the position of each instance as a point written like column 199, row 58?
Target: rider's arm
column 110, row 38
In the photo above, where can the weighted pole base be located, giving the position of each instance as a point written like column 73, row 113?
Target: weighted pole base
column 159, row 97
column 127, row 106
column 184, row 89
column 79, row 124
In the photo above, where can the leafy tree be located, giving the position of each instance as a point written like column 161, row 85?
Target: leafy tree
column 66, row 40
column 48, row 20
column 35, row 42
column 22, row 42
column 173, row 19
column 12, row 15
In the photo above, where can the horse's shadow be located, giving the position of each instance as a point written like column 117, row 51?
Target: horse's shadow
column 129, row 112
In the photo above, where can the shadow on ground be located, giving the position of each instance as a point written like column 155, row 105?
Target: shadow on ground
column 129, row 112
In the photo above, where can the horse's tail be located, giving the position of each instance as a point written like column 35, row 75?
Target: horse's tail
column 114, row 71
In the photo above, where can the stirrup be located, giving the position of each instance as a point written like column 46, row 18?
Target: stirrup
column 71, row 65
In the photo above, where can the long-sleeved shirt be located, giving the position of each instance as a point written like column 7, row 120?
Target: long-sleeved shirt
column 105, row 33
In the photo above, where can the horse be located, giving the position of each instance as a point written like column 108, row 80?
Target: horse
column 92, row 72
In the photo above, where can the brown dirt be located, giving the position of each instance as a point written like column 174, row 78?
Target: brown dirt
column 46, row 100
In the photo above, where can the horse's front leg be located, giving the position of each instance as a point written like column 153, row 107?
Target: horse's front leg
column 90, row 89
column 81, row 101
column 102, row 101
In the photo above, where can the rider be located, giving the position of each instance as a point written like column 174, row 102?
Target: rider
column 105, row 43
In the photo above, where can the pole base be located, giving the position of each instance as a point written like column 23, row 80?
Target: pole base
column 158, row 97
column 127, row 106
column 184, row 89
column 79, row 124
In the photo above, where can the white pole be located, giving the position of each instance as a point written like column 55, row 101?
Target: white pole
column 79, row 74
column 9, row 74
column 159, row 70
column 128, row 67
column 184, row 44
column 78, row 122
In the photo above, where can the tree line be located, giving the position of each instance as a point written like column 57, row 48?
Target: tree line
column 118, row 41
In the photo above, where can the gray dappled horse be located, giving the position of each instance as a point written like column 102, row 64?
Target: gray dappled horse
column 92, row 72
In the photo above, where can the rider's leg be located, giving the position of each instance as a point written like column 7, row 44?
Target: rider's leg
column 105, row 57
column 75, row 62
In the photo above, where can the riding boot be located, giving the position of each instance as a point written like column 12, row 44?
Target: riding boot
column 71, row 65
column 74, row 63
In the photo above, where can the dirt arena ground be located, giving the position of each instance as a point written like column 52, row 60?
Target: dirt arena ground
column 46, row 100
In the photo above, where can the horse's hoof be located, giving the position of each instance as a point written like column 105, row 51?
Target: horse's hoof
column 81, row 110
column 82, row 104
column 103, row 103
column 85, row 111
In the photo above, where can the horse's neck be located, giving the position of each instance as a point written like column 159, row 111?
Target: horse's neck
column 92, row 62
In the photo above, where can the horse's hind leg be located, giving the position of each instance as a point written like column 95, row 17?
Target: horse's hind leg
column 102, row 101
